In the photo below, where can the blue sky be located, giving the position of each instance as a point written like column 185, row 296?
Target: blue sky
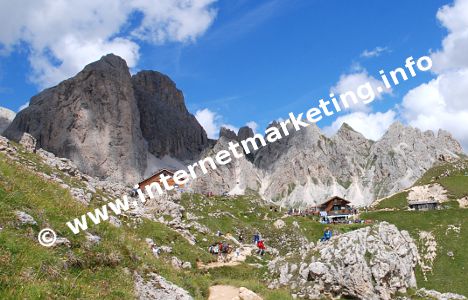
column 255, row 61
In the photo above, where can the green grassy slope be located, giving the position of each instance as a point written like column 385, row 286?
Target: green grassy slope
column 449, row 272
column 31, row 271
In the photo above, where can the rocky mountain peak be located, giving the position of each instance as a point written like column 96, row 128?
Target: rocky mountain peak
column 346, row 127
column 446, row 138
column 165, row 122
column 107, row 63
column 227, row 133
column 346, row 132
column 92, row 119
column 244, row 133
column 107, row 121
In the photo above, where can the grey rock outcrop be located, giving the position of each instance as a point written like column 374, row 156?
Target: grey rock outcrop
column 6, row 117
column 24, row 218
column 430, row 294
column 28, row 142
column 165, row 122
column 157, row 287
column 370, row 263
column 92, row 119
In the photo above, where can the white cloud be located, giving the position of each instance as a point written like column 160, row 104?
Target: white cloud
column 171, row 20
column 212, row 122
column 209, row 121
column 440, row 103
column 372, row 125
column 443, row 101
column 253, row 125
column 350, row 82
column 64, row 36
column 453, row 56
column 377, row 51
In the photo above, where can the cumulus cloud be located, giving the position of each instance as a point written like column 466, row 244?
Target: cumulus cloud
column 350, row 82
column 453, row 56
column 209, row 121
column 443, row 101
column 377, row 51
column 440, row 103
column 212, row 122
column 63, row 36
column 372, row 125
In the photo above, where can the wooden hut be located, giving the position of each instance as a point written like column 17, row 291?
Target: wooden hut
column 156, row 178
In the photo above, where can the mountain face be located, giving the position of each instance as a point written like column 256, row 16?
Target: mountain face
column 165, row 122
column 237, row 177
column 109, row 122
column 91, row 119
column 306, row 167
column 6, row 117
column 121, row 127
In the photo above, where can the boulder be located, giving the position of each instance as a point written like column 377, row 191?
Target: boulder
column 28, row 142
column 279, row 224
column 246, row 294
column 157, row 287
column 24, row 219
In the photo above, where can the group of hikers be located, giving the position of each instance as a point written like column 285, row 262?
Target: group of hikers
column 220, row 248
column 259, row 243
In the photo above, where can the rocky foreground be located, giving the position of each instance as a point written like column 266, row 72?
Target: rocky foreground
column 375, row 262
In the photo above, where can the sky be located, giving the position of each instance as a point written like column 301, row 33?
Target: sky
column 244, row 62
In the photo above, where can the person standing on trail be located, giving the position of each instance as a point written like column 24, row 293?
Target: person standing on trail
column 261, row 247
column 256, row 238
column 241, row 237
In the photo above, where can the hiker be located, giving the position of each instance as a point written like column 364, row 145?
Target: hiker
column 241, row 237
column 256, row 238
column 219, row 233
column 327, row 234
column 261, row 248
column 214, row 248
column 225, row 247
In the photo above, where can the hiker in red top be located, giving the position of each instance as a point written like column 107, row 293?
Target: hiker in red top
column 261, row 247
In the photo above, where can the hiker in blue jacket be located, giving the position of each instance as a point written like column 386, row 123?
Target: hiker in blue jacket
column 327, row 234
column 256, row 238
